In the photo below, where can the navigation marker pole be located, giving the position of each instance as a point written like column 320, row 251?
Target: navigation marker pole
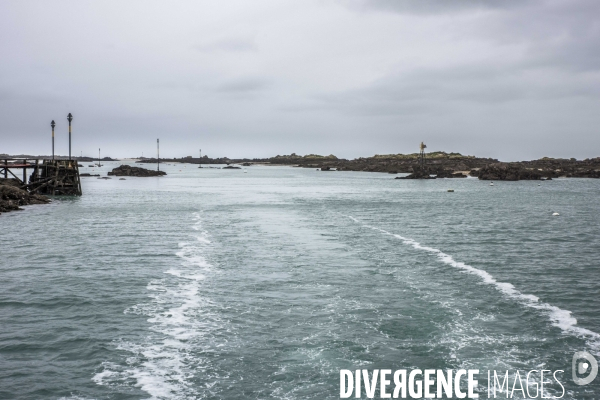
column 157, row 156
column 52, row 124
column 70, row 118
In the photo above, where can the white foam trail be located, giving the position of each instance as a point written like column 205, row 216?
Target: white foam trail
column 560, row 318
column 161, row 366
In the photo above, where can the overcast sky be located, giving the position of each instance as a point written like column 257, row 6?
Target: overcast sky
column 498, row 78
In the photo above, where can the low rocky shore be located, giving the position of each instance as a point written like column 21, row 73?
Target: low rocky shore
column 12, row 196
column 437, row 164
column 508, row 172
column 453, row 165
column 128, row 170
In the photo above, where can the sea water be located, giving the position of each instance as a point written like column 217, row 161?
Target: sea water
column 218, row 284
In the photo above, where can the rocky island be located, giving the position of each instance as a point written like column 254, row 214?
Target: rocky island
column 438, row 164
column 451, row 165
column 13, row 196
column 128, row 170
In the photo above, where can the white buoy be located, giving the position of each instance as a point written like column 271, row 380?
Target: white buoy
column 492, row 184
column 555, row 214
column 245, row 171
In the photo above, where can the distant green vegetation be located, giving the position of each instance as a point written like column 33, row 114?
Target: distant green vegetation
column 294, row 156
column 433, row 154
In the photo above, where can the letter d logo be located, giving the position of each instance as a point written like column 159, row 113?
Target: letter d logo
column 581, row 367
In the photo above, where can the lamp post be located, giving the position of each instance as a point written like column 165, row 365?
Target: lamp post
column 157, row 155
column 52, row 124
column 70, row 118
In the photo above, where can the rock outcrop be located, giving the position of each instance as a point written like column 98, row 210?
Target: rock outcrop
column 12, row 196
column 128, row 170
column 437, row 163
column 507, row 172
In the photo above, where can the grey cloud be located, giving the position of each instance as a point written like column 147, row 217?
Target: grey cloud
column 238, row 78
column 557, row 34
column 425, row 7
column 433, row 91
column 231, row 44
column 243, row 86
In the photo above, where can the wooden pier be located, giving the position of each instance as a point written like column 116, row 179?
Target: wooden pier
column 48, row 177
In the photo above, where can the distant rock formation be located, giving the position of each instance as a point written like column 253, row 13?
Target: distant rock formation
column 128, row 170
column 439, row 163
column 507, row 172
column 12, row 196
column 435, row 163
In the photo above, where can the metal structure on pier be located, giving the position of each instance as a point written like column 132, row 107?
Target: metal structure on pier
column 49, row 177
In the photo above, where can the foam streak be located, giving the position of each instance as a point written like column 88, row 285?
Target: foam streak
column 560, row 318
column 161, row 365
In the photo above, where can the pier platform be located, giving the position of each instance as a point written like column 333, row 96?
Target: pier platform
column 48, row 177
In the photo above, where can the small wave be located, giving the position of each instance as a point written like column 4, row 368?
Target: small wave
column 560, row 318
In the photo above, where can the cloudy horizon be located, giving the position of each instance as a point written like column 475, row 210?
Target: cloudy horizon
column 512, row 80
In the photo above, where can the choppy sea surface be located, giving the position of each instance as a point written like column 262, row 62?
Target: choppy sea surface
column 219, row 284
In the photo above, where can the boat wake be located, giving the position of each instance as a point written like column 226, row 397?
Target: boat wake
column 162, row 364
column 560, row 318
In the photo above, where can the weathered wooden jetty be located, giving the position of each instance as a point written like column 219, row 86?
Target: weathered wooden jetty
column 48, row 177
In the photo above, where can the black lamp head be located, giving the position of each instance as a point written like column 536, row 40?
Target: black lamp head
column 70, row 117
column 52, row 124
